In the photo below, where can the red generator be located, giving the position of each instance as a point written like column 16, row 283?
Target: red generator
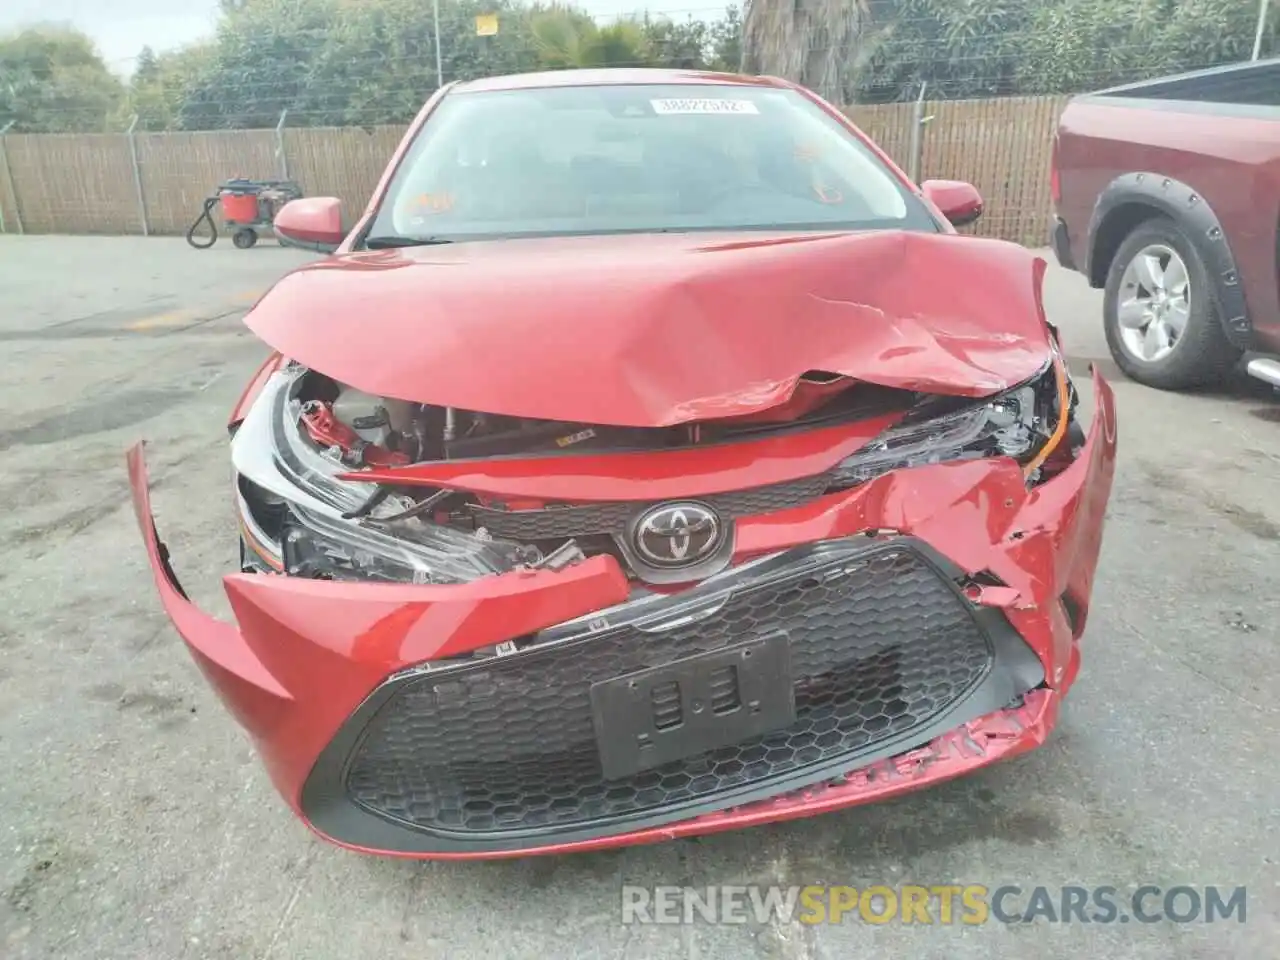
column 248, row 206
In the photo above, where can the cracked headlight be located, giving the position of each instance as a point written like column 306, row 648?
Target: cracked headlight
column 318, row 546
column 298, row 491
column 1025, row 423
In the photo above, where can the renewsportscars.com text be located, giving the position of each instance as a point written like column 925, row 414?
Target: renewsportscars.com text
column 941, row 904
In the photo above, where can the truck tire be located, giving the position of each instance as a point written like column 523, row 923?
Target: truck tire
column 1158, row 309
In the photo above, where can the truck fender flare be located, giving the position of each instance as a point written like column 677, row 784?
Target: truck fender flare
column 1192, row 212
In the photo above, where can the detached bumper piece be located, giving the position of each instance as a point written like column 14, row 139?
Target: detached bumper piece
column 784, row 673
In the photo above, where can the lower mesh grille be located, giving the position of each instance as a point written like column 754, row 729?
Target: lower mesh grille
column 880, row 645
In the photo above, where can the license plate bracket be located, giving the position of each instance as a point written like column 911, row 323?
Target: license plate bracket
column 654, row 716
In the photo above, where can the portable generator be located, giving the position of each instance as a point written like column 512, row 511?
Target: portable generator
column 248, row 206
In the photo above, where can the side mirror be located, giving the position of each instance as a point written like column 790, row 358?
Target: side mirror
column 959, row 202
column 312, row 223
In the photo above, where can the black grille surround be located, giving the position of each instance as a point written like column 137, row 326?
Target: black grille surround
column 500, row 754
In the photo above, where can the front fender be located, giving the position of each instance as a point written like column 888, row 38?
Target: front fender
column 1192, row 212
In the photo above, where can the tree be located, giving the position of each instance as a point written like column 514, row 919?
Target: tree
column 622, row 44
column 880, row 50
column 726, row 42
column 566, row 38
column 985, row 48
column 367, row 62
column 162, row 83
column 332, row 62
column 695, row 44
column 147, row 69
column 680, row 46
column 1074, row 45
column 812, row 42
column 338, row 62
column 959, row 50
column 52, row 80
column 1231, row 24
column 264, row 60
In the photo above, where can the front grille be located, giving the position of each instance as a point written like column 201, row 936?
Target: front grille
column 588, row 519
column 881, row 644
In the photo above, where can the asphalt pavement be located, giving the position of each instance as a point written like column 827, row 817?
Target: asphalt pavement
column 136, row 822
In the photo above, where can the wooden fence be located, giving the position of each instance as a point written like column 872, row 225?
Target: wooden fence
column 86, row 183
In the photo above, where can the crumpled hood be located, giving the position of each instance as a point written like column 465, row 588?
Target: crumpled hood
column 659, row 329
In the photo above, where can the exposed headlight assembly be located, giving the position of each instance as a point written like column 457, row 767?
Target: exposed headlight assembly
column 1026, row 423
column 321, row 547
column 308, row 535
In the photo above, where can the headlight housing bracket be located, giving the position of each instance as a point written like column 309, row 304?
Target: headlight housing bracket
column 1025, row 423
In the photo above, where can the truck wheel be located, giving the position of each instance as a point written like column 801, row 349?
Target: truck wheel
column 244, row 238
column 1161, row 322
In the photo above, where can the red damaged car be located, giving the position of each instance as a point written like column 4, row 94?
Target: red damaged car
column 652, row 458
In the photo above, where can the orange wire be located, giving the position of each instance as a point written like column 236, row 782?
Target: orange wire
column 1059, row 431
column 260, row 548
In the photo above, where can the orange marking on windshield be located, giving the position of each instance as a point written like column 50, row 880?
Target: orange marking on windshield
column 433, row 203
column 828, row 194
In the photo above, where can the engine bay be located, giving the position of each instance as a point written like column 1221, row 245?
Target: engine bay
column 364, row 430
column 313, row 516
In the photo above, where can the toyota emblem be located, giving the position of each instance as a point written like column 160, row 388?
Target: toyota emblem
column 677, row 534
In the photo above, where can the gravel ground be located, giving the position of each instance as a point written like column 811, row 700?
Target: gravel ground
column 135, row 821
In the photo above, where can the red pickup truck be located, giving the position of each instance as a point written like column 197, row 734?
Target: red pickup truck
column 1167, row 197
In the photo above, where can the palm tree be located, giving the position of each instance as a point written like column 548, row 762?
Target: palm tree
column 821, row 44
column 567, row 38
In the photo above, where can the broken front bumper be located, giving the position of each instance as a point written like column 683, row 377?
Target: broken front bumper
column 939, row 644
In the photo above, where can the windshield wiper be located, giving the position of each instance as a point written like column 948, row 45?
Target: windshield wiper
column 388, row 242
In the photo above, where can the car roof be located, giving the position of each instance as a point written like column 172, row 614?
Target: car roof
column 611, row 77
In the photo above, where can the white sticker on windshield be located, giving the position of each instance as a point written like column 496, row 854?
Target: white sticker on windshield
column 701, row 105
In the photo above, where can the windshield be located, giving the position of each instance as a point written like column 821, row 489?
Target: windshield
column 637, row 158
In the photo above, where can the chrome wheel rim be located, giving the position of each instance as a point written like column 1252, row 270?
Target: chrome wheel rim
column 1154, row 303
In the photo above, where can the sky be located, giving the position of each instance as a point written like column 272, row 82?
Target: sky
column 123, row 27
